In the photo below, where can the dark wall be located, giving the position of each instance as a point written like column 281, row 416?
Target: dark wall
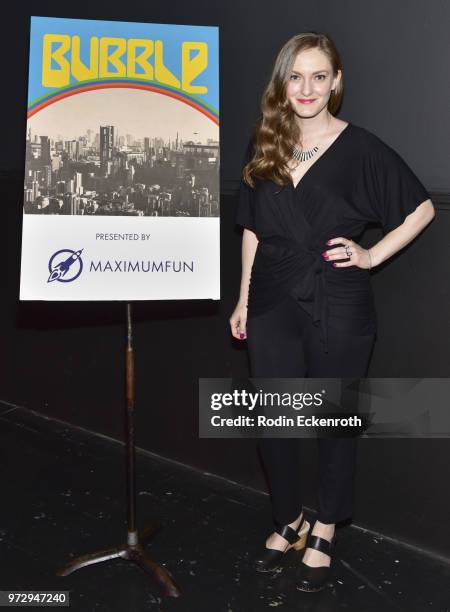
column 66, row 359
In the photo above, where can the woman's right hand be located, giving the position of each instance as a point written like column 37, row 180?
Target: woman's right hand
column 238, row 321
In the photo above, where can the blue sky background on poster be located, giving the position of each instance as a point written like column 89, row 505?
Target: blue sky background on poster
column 172, row 35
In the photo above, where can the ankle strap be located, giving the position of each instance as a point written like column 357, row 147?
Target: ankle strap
column 289, row 534
column 321, row 544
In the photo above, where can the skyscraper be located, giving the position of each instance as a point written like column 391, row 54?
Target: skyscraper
column 71, row 148
column 77, row 182
column 106, row 143
column 45, row 150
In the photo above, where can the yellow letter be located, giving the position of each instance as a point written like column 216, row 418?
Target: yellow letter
column 140, row 59
column 191, row 68
column 162, row 74
column 55, row 77
column 121, row 45
column 79, row 70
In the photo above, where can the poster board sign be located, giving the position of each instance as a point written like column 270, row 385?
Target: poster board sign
column 121, row 186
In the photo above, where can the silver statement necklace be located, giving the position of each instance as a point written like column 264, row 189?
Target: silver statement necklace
column 301, row 155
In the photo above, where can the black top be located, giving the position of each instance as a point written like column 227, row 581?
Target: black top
column 358, row 180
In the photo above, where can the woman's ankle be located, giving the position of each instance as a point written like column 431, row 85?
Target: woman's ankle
column 297, row 521
column 328, row 528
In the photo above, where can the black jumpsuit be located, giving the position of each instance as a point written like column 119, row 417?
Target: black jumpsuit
column 307, row 318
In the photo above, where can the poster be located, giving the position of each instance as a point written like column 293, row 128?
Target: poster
column 121, row 185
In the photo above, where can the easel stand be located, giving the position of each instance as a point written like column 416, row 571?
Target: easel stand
column 132, row 550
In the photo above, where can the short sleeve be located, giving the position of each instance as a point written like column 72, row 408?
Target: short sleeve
column 393, row 190
column 245, row 213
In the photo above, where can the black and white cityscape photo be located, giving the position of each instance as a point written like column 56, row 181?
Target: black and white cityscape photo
column 128, row 166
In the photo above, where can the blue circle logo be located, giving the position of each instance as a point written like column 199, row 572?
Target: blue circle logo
column 65, row 266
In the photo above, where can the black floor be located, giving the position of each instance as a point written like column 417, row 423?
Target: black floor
column 62, row 495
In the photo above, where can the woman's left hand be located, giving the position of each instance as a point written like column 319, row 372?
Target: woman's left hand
column 355, row 254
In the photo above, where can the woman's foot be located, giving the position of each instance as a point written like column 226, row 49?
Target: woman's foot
column 277, row 542
column 286, row 537
column 314, row 569
column 315, row 558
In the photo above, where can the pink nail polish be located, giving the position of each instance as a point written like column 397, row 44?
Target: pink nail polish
column 328, row 242
column 334, row 264
column 324, row 254
column 242, row 336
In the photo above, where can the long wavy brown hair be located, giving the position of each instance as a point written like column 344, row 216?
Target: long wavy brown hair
column 276, row 132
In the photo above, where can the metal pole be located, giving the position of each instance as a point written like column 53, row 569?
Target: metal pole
column 133, row 550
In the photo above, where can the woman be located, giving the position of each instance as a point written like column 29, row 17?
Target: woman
column 311, row 183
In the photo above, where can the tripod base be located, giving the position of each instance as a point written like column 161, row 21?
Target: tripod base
column 132, row 551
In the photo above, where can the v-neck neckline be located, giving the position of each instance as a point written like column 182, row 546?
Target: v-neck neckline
column 337, row 139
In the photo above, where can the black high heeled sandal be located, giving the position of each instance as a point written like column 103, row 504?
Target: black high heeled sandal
column 313, row 579
column 297, row 538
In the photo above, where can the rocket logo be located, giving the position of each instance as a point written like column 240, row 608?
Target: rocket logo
column 65, row 266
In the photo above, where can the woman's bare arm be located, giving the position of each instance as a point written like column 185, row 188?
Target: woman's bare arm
column 238, row 319
column 403, row 234
column 390, row 244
